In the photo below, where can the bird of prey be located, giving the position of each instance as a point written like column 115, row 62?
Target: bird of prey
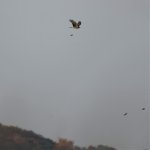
column 76, row 25
column 125, row 114
column 143, row 108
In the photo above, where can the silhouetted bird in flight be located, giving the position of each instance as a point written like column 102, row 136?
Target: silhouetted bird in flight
column 75, row 24
column 125, row 114
column 143, row 108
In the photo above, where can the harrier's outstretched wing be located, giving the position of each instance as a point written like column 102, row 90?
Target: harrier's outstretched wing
column 73, row 23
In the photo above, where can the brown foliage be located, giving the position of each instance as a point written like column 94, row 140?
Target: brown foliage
column 91, row 147
column 64, row 144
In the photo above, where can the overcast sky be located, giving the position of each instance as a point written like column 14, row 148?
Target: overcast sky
column 77, row 87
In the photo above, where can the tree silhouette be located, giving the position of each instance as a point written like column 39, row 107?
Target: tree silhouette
column 64, row 144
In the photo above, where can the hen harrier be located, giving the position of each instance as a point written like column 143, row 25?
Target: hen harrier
column 125, row 114
column 75, row 24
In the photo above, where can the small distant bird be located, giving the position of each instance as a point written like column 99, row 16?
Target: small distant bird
column 71, row 34
column 76, row 25
column 125, row 114
column 143, row 108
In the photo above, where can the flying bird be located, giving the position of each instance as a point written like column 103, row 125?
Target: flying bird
column 143, row 108
column 125, row 114
column 76, row 25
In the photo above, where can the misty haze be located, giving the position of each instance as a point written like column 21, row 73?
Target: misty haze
column 85, row 82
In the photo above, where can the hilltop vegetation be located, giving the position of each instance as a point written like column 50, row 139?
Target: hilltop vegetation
column 64, row 144
column 14, row 138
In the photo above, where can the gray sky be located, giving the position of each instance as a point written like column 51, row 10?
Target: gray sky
column 76, row 87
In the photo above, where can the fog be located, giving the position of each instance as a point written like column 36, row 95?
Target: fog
column 76, row 87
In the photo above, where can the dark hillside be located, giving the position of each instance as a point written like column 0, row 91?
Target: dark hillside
column 14, row 138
